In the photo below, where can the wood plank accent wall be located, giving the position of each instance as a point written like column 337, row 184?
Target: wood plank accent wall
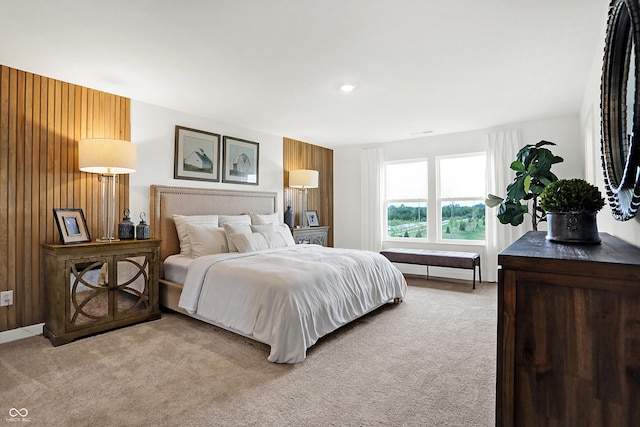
column 301, row 155
column 41, row 121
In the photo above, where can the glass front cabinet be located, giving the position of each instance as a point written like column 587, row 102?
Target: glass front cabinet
column 94, row 287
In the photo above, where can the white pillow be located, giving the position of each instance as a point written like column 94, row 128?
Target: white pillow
column 274, row 239
column 182, row 220
column 258, row 219
column 282, row 229
column 207, row 240
column 261, row 228
column 249, row 242
column 233, row 219
column 230, row 229
column 285, row 232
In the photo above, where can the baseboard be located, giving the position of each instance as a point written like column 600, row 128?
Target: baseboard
column 20, row 333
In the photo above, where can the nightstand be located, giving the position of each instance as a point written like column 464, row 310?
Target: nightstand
column 316, row 235
column 94, row 287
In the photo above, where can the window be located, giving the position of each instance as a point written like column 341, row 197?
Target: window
column 406, row 199
column 461, row 196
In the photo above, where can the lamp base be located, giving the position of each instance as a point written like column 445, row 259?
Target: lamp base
column 108, row 200
column 302, row 223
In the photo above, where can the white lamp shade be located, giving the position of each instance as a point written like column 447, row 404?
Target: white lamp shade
column 107, row 156
column 303, row 178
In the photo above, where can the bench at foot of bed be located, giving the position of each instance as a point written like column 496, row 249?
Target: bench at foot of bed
column 436, row 259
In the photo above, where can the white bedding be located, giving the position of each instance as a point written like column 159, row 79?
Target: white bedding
column 289, row 297
column 175, row 268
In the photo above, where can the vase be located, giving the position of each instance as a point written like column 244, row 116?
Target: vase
column 126, row 229
column 572, row 227
column 289, row 217
column 143, row 231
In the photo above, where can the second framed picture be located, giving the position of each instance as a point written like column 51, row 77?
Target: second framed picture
column 240, row 161
column 197, row 155
column 312, row 218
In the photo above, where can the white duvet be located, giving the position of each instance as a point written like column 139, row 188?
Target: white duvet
column 290, row 297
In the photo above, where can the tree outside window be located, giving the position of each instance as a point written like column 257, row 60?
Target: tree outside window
column 406, row 199
column 461, row 194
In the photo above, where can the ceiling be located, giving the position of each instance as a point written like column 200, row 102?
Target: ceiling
column 277, row 65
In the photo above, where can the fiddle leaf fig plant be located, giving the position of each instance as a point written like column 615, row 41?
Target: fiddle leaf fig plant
column 571, row 195
column 533, row 173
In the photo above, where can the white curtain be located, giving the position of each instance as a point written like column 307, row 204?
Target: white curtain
column 502, row 148
column 372, row 184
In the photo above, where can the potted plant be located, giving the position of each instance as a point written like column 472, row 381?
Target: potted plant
column 571, row 206
column 533, row 173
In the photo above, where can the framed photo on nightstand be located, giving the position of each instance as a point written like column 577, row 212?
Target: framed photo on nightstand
column 312, row 218
column 72, row 225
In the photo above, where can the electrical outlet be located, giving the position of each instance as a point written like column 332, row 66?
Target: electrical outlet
column 6, row 298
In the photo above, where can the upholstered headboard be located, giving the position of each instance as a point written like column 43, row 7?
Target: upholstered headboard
column 167, row 201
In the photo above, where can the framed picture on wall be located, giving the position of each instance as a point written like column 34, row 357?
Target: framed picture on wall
column 312, row 218
column 71, row 225
column 240, row 161
column 197, row 155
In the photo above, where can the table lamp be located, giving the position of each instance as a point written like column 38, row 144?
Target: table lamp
column 108, row 158
column 303, row 179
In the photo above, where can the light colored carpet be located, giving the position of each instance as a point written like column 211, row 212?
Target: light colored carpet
column 429, row 361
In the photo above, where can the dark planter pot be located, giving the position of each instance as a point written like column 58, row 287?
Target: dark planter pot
column 572, row 227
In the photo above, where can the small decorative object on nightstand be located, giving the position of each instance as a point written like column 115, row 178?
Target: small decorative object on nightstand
column 95, row 287
column 289, row 217
column 312, row 218
column 126, row 229
column 315, row 235
column 143, row 230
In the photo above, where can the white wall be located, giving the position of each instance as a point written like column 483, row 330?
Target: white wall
column 153, row 130
column 564, row 131
column 590, row 114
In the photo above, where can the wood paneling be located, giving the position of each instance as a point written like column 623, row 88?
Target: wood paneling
column 301, row 155
column 41, row 121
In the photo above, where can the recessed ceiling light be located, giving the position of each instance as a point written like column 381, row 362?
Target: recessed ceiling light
column 347, row 88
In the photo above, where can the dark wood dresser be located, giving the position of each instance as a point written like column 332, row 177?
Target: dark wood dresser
column 568, row 333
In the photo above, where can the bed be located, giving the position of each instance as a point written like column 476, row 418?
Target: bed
column 252, row 279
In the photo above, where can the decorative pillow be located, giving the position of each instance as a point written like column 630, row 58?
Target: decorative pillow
column 258, row 219
column 263, row 228
column 285, row 232
column 183, row 236
column 207, row 240
column 249, row 242
column 230, row 229
column 274, row 239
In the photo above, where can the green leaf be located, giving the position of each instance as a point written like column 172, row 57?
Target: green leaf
column 545, row 181
column 543, row 143
column 527, row 183
column 523, row 153
column 512, row 213
column 557, row 159
column 492, row 200
column 517, row 166
column 536, row 188
column 515, row 190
